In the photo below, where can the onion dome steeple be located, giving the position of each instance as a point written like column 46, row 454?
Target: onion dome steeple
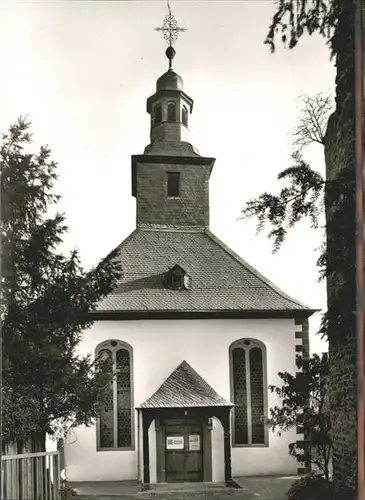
column 170, row 107
column 170, row 80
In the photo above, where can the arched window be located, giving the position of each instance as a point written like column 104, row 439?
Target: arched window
column 157, row 114
column 115, row 421
column 249, row 392
column 185, row 116
column 171, row 112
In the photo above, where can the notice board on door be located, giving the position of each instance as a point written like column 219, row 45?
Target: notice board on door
column 174, row 442
column 194, row 442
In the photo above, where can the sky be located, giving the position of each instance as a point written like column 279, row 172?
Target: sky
column 82, row 72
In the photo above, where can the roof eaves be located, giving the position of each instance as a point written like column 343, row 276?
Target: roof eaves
column 130, row 314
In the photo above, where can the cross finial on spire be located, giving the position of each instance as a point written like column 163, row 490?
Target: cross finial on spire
column 170, row 31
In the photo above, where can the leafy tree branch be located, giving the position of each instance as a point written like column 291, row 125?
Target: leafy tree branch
column 301, row 198
column 46, row 300
column 295, row 18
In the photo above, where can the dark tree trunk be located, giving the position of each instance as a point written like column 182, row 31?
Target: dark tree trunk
column 38, row 442
column 341, row 278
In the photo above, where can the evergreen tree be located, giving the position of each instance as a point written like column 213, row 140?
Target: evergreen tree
column 335, row 21
column 46, row 300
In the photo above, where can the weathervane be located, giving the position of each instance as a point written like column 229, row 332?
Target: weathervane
column 170, row 31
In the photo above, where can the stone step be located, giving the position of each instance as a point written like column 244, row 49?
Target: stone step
column 160, row 490
column 214, row 493
column 197, row 495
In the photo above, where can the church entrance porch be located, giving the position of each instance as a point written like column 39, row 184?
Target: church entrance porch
column 183, row 450
column 182, row 410
column 184, row 444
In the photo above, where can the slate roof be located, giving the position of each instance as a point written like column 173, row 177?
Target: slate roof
column 219, row 279
column 185, row 388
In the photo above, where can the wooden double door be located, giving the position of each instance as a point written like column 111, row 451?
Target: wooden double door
column 183, row 450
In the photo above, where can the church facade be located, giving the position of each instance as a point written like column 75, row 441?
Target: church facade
column 193, row 332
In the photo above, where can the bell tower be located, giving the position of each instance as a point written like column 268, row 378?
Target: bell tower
column 171, row 180
column 169, row 107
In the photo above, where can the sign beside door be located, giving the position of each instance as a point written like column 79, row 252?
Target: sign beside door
column 174, row 442
column 194, row 442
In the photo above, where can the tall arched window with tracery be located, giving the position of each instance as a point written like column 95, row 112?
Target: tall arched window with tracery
column 115, row 420
column 248, row 392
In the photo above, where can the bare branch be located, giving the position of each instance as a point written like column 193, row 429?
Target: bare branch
column 315, row 112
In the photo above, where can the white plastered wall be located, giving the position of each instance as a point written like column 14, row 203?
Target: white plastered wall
column 159, row 346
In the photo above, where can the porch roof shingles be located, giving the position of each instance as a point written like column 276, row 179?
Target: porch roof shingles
column 185, row 388
column 220, row 279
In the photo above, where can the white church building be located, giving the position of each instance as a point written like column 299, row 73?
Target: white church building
column 195, row 334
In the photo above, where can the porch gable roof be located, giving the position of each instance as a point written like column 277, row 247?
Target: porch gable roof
column 185, row 388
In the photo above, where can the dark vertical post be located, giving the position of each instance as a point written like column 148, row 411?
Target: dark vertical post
column 207, row 450
column 160, row 451
column 225, row 421
column 146, row 422
column 360, row 220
